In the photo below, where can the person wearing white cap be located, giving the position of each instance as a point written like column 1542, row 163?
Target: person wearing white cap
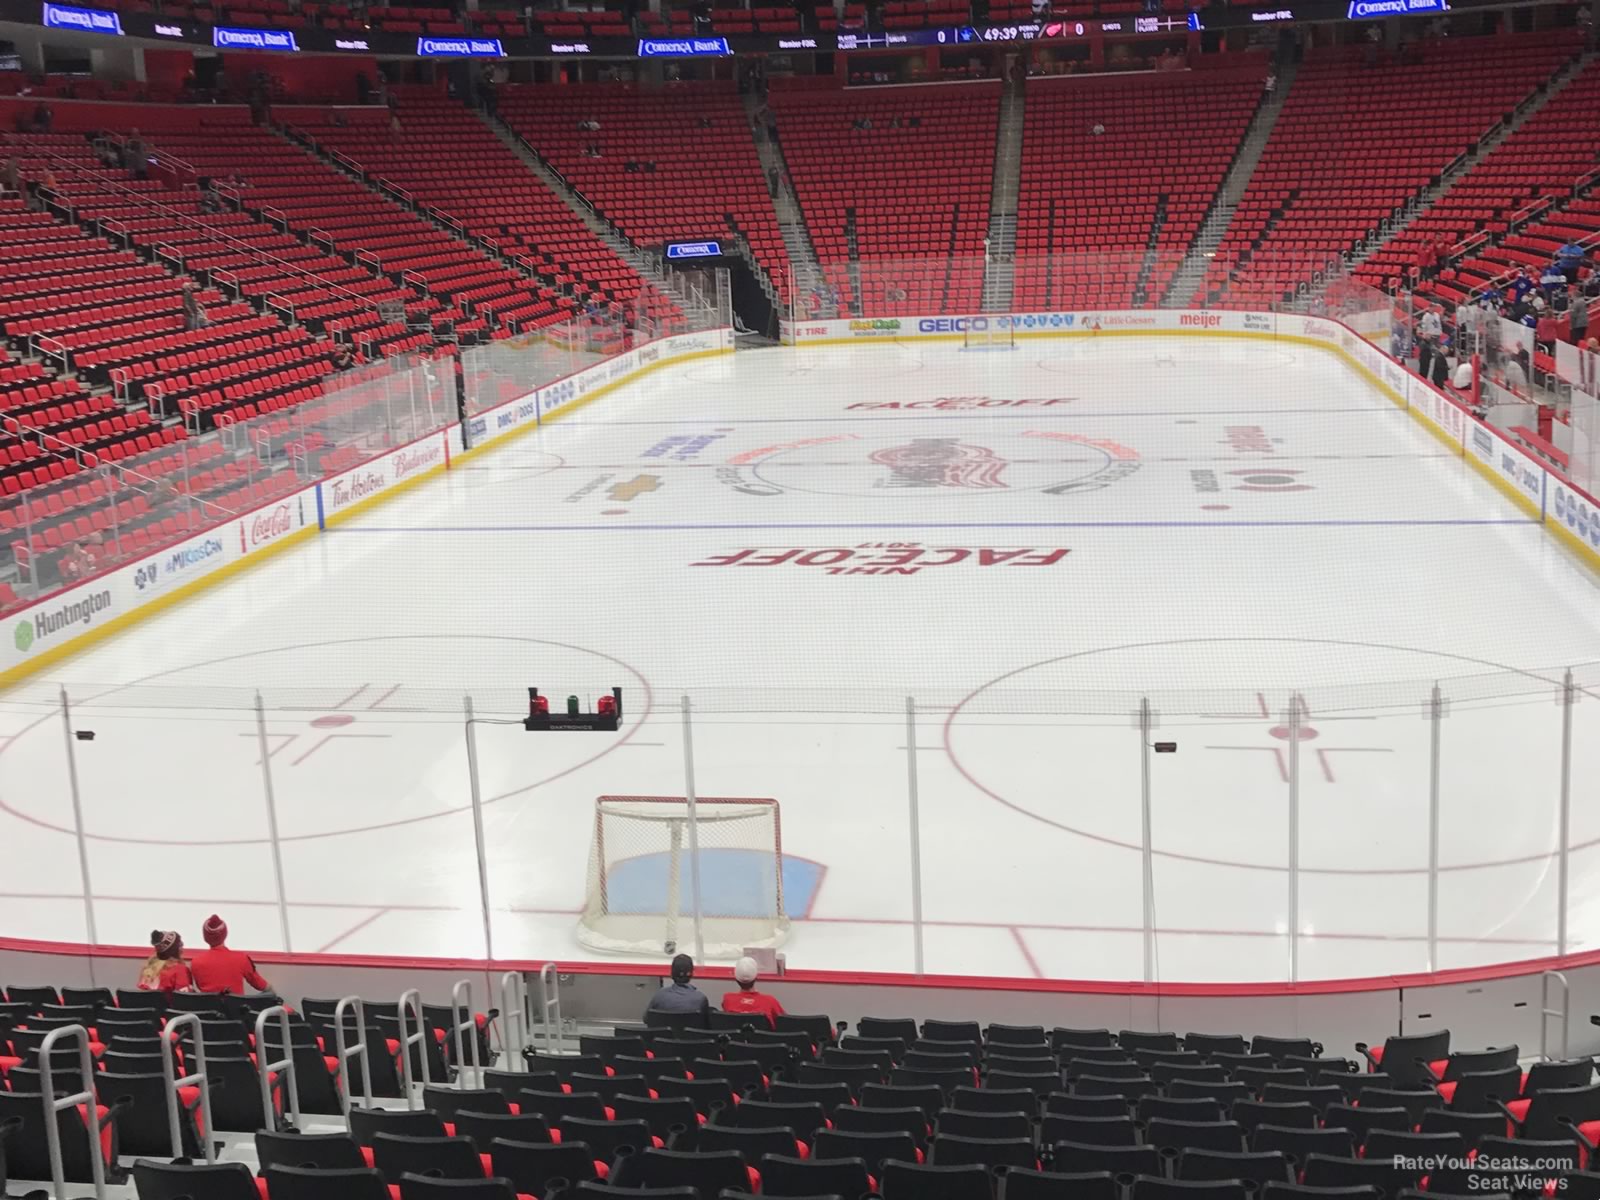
column 747, row 999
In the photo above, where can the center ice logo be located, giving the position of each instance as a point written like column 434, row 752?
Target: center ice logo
column 853, row 464
column 940, row 462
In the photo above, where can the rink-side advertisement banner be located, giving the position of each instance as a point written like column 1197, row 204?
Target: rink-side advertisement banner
column 553, row 398
column 107, row 602
column 339, row 496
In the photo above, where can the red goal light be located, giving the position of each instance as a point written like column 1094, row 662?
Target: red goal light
column 606, row 717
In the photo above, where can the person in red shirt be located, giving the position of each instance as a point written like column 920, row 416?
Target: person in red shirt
column 223, row 971
column 165, row 970
column 747, row 999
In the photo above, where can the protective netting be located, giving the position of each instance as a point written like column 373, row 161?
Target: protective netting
column 642, row 884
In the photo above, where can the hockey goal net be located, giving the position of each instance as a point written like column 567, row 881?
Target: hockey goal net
column 640, row 893
column 988, row 333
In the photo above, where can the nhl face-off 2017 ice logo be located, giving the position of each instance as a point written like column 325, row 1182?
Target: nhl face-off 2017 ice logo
column 994, row 463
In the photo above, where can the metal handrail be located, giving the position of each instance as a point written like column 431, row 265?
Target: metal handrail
column 345, row 1052
column 411, row 1002
column 53, row 1107
column 514, row 1017
column 1546, row 1012
column 550, row 1006
column 195, row 1078
column 265, row 1068
column 464, row 1021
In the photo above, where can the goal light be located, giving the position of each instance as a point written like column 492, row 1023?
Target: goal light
column 605, row 718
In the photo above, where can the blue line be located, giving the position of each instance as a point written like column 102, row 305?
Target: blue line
column 599, row 528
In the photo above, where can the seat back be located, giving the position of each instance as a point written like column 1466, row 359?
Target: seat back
column 707, row 1173
column 312, row 1183
column 785, row 1175
column 186, row 1181
column 322, row 1151
column 532, row 1165
column 904, row 1180
column 951, row 1150
column 482, row 1128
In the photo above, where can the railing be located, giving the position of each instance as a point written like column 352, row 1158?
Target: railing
column 345, row 161
column 550, row 1007
column 1564, row 1013
column 412, row 1016
column 54, row 1106
column 196, row 1078
column 267, row 1067
column 463, row 1021
column 514, row 1037
column 183, row 220
column 1529, row 211
column 347, row 1007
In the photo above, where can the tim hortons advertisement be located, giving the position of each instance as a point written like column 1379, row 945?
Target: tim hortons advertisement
column 379, row 475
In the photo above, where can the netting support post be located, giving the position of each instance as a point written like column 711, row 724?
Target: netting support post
column 1294, row 725
column 1567, row 698
column 476, row 786
column 77, row 828
column 1435, row 716
column 272, row 821
column 1147, row 723
column 694, row 833
column 913, row 800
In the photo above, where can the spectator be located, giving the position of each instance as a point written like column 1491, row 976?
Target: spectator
column 136, row 155
column 221, row 971
column 680, row 996
column 487, row 92
column 1461, row 380
column 1522, row 284
column 194, row 317
column 1270, row 84
column 1553, row 277
column 75, row 564
column 1519, row 371
column 1429, row 332
column 1580, row 317
column 747, row 999
column 343, row 357
column 772, row 180
column 1098, row 129
column 11, row 175
column 1424, row 262
column 165, row 970
column 43, row 118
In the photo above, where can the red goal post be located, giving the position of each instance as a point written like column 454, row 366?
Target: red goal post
column 639, row 896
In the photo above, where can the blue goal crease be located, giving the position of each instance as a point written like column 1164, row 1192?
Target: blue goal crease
column 733, row 883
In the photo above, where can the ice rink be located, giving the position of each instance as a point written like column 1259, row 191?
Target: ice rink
column 1242, row 534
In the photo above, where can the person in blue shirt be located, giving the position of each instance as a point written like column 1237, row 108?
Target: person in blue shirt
column 680, row 996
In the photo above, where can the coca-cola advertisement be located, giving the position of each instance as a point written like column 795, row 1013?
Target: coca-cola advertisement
column 271, row 524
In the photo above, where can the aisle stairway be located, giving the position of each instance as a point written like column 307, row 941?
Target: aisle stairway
column 999, row 276
column 1204, row 247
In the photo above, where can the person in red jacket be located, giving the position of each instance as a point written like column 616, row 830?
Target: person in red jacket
column 220, row 970
column 747, row 999
column 165, row 970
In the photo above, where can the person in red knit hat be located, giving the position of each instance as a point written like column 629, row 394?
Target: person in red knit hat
column 165, row 970
column 220, row 970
